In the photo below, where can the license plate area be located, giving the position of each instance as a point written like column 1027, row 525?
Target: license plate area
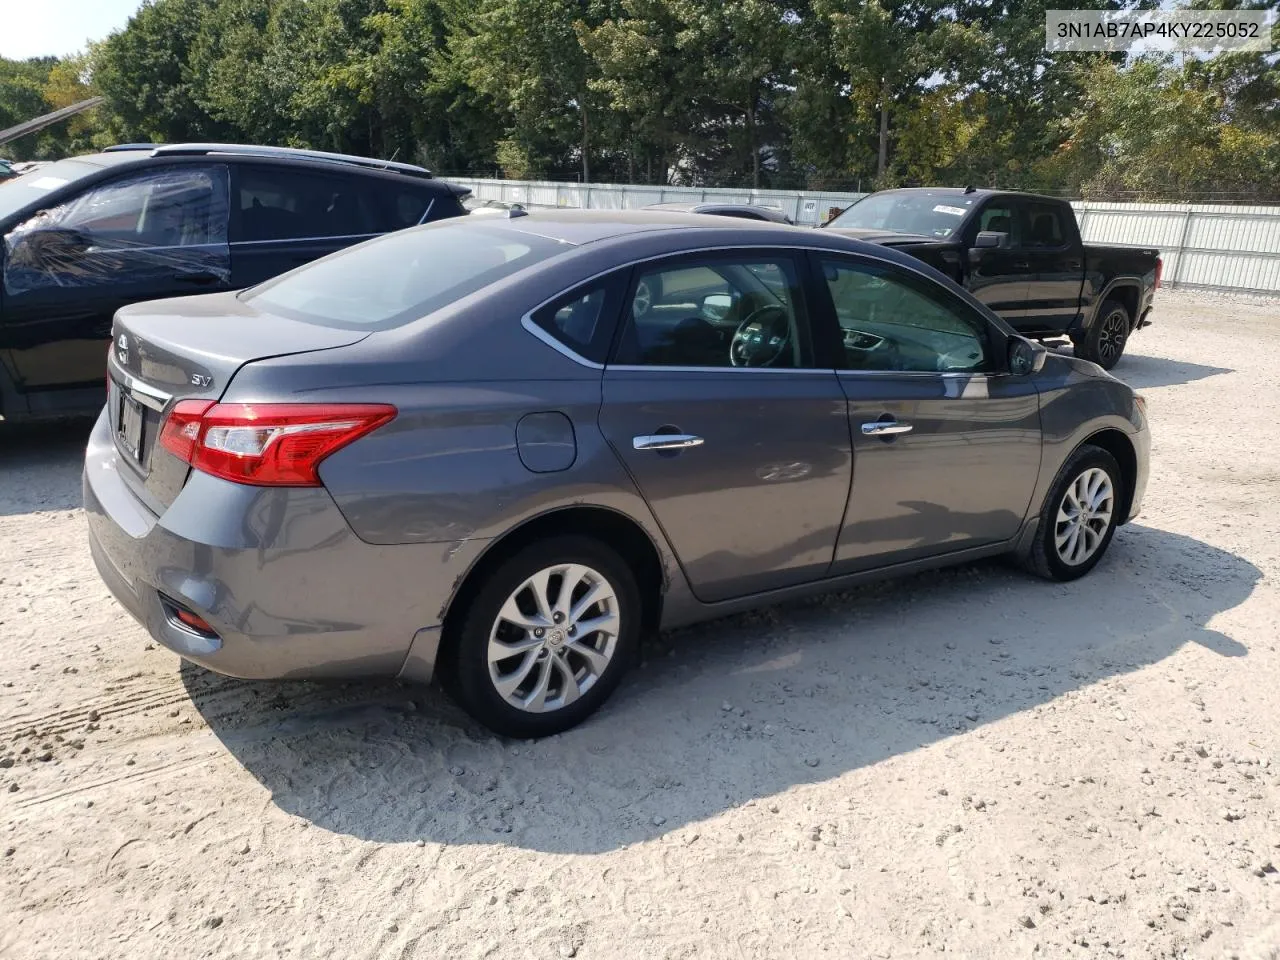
column 129, row 426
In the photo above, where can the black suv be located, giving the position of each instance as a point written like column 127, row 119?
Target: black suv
column 85, row 236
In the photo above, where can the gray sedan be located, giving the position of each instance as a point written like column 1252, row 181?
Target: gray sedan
column 499, row 451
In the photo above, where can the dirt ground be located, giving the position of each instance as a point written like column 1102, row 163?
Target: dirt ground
column 970, row 762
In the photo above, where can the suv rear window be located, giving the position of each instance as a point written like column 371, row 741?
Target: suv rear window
column 400, row 277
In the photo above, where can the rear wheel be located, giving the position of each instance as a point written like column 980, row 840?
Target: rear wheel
column 547, row 637
column 1079, row 516
column 1105, row 339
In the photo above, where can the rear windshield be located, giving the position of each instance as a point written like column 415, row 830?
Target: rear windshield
column 31, row 187
column 400, row 277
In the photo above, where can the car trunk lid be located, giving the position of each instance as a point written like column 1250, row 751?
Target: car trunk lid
column 188, row 348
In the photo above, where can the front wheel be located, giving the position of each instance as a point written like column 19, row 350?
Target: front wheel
column 546, row 638
column 1079, row 516
column 1106, row 337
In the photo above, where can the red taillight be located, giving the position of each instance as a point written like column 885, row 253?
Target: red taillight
column 1159, row 271
column 181, row 428
column 266, row 444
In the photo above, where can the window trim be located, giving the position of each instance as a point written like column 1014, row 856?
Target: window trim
column 805, row 314
column 995, row 339
column 615, row 278
column 823, row 323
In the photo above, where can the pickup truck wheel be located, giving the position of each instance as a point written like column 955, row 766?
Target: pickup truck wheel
column 1104, row 342
column 1079, row 516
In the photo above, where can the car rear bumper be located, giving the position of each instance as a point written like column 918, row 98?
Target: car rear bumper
column 287, row 587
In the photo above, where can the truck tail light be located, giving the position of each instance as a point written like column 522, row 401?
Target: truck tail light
column 1159, row 271
column 266, row 444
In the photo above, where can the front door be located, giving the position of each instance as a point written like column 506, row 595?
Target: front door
column 736, row 439
column 143, row 236
column 997, row 276
column 1055, row 267
column 946, row 446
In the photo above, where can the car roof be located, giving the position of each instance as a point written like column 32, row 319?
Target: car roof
column 981, row 193
column 706, row 206
column 588, row 226
column 144, row 154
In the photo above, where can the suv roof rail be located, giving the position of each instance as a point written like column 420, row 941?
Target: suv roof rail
column 122, row 147
column 289, row 153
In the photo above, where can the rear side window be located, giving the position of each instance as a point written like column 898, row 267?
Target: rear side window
column 401, row 276
column 399, row 206
column 1042, row 225
column 285, row 203
column 583, row 320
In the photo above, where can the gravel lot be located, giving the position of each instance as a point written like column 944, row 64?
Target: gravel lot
column 970, row 761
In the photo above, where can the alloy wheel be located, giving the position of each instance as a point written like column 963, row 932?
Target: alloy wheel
column 554, row 638
column 1084, row 516
column 1112, row 334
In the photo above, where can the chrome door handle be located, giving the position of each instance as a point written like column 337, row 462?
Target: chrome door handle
column 885, row 428
column 666, row 441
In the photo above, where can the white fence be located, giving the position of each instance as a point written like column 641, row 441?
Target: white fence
column 1212, row 246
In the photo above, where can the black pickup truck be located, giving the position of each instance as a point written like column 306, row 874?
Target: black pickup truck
column 1021, row 255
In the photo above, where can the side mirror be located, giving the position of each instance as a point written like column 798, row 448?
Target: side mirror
column 1026, row 357
column 989, row 239
column 716, row 306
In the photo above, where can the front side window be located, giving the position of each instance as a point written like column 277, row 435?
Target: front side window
column 1000, row 217
column 401, row 276
column 893, row 321
column 136, row 229
column 719, row 312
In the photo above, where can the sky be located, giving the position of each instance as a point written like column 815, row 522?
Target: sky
column 37, row 28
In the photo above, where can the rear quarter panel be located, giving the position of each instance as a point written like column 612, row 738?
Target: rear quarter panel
column 1111, row 269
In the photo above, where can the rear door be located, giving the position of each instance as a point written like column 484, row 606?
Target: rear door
column 733, row 431
column 998, row 276
column 143, row 235
column 283, row 216
column 1055, row 259
column 946, row 444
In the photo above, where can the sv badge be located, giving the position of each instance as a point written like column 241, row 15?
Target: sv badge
column 200, row 380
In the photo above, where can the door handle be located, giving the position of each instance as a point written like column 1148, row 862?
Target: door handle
column 666, row 441
column 885, row 428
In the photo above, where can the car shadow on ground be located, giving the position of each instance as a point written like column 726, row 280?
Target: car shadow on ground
column 1146, row 373
column 729, row 712
column 40, row 465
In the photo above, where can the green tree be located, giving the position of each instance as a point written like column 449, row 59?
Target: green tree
column 144, row 72
column 525, row 56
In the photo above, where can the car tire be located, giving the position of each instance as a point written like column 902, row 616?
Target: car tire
column 1055, row 554
column 1105, row 340
column 521, row 685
